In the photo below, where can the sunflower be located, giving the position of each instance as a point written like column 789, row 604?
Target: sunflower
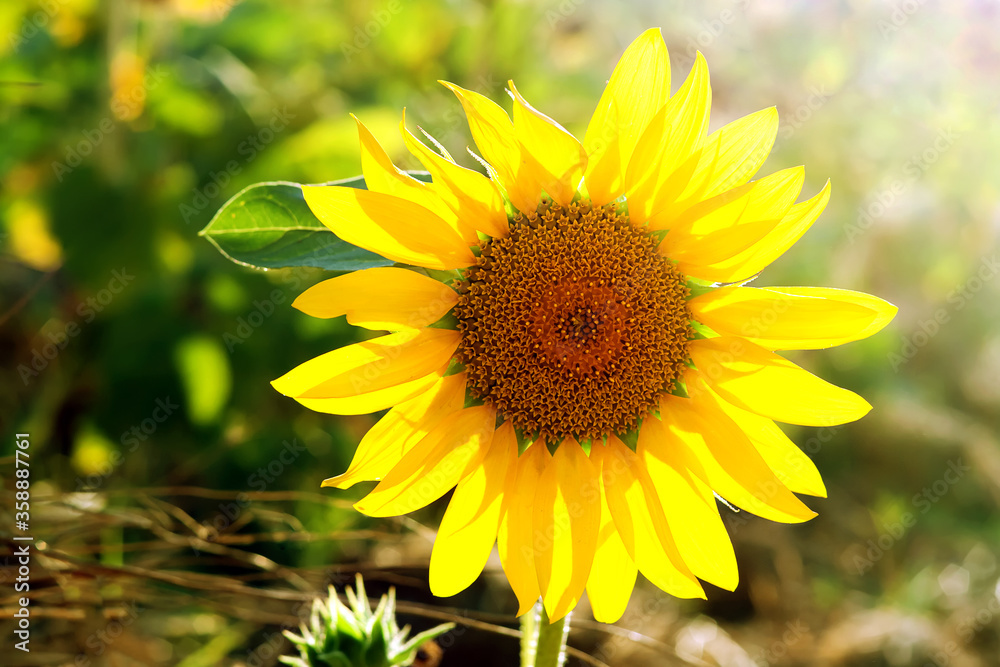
column 571, row 346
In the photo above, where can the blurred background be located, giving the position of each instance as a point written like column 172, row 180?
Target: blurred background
column 175, row 496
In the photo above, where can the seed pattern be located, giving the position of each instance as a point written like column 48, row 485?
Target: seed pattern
column 573, row 324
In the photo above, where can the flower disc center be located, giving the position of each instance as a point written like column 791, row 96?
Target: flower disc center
column 573, row 324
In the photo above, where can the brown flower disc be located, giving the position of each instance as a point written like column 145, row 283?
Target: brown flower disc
column 573, row 324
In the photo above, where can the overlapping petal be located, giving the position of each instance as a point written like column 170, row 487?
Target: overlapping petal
column 473, row 197
column 667, row 151
column 390, row 226
column 772, row 245
column 496, row 138
column 725, row 226
column 469, row 527
column 613, row 574
column 449, row 452
column 370, row 366
column 727, row 159
column 373, row 401
column 638, row 88
column 400, row 430
column 566, row 522
column 516, row 539
column 789, row 463
column 689, row 506
column 381, row 175
column 640, row 520
column 732, row 466
column 551, row 156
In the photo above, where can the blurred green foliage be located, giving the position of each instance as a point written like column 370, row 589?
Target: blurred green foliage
column 136, row 356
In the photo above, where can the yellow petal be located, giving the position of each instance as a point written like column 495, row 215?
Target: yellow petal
column 494, row 134
column 391, row 226
column 753, row 260
column 400, row 430
column 371, row 365
column 750, row 377
column 789, row 463
column 792, row 318
column 613, row 575
column 729, row 224
column 604, row 178
column 566, row 521
column 428, row 471
column 733, row 469
column 373, row 401
column 729, row 158
column 469, row 527
column 474, row 198
column 516, row 539
column 689, row 507
column 637, row 89
column 381, row 175
column 685, row 122
column 556, row 159
column 387, row 298
column 640, row 521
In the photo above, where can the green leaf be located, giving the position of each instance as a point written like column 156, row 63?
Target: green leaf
column 270, row 226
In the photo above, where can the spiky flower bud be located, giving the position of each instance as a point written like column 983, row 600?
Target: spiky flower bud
column 355, row 636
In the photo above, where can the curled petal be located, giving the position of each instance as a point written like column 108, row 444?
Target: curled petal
column 386, row 298
column 750, row 377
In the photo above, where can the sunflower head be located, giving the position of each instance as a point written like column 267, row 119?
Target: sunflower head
column 574, row 302
column 571, row 343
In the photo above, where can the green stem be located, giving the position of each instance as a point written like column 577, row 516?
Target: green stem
column 543, row 644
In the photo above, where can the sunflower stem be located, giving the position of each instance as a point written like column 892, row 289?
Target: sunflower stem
column 543, row 644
